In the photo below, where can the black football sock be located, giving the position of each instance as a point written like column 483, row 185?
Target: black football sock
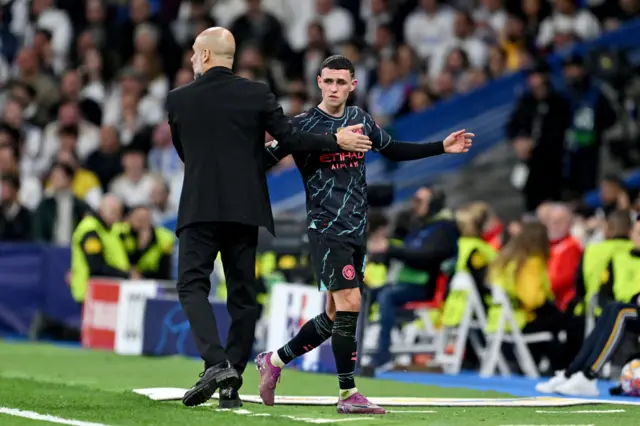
column 312, row 334
column 344, row 345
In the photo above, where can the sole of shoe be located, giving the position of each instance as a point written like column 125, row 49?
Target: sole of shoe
column 205, row 390
column 229, row 404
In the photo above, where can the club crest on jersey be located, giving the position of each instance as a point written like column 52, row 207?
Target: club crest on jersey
column 358, row 131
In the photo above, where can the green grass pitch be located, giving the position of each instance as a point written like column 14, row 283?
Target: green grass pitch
column 84, row 388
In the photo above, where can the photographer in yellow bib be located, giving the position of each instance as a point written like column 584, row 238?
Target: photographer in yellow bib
column 474, row 257
column 148, row 247
column 96, row 251
column 521, row 271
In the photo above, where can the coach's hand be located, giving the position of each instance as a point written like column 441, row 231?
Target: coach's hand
column 351, row 139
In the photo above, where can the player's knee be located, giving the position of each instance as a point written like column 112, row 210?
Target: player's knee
column 347, row 300
column 330, row 308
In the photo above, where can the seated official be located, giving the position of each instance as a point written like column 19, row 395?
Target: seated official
column 521, row 271
column 96, row 251
column 149, row 248
column 622, row 282
column 474, row 257
column 597, row 259
column 431, row 240
column 493, row 229
column 591, row 274
column 564, row 255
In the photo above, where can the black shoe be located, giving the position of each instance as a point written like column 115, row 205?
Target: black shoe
column 229, row 399
column 218, row 376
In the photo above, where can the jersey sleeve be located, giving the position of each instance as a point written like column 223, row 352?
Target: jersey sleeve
column 395, row 150
column 273, row 154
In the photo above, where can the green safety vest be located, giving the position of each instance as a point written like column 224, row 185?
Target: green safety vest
column 113, row 251
column 626, row 276
column 507, row 281
column 150, row 260
column 595, row 261
column 456, row 303
column 375, row 275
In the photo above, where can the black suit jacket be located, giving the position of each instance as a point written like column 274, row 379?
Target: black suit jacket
column 218, row 124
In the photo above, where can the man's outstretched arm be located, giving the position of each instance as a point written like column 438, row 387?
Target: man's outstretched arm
column 455, row 143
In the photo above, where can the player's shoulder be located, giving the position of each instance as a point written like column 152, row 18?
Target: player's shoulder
column 357, row 112
column 303, row 116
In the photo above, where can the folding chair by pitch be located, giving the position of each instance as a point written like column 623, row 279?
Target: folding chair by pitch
column 463, row 318
column 507, row 330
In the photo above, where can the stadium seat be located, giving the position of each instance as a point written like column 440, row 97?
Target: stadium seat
column 421, row 336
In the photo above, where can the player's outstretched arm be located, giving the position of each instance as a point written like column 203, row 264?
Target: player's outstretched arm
column 456, row 143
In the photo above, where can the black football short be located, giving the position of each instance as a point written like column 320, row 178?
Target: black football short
column 338, row 262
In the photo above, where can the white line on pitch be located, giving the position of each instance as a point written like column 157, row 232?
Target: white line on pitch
column 580, row 412
column 547, row 425
column 411, row 411
column 32, row 415
column 323, row 421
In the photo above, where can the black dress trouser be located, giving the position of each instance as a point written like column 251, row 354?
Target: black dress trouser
column 199, row 245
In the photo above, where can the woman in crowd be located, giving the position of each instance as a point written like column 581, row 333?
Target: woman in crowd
column 521, row 271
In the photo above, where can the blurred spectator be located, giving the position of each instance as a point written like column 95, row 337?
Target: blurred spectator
column 497, row 65
column 431, row 239
column 134, row 185
column 57, row 23
column 536, row 131
column 567, row 24
column 565, row 255
column 162, row 207
column 308, row 60
column 15, row 219
column 163, row 158
column 490, row 19
column 457, row 64
column 429, row 27
column 8, row 41
column 93, row 75
column 87, row 141
column 106, row 161
column 260, row 28
column 129, row 109
column 492, row 228
column 534, row 12
column 336, row 21
column 420, row 100
column 376, row 14
column 521, row 271
column 408, row 69
column 388, row 95
column 30, row 187
column 591, row 116
column 22, row 134
column 514, row 44
column 463, row 38
column 60, row 212
column 85, row 184
column 47, row 93
column 149, row 247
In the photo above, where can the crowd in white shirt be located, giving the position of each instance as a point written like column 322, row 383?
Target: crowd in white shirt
column 87, row 87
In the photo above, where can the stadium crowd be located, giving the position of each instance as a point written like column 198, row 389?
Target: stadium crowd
column 84, row 82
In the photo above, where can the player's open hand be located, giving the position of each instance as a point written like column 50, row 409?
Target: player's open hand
column 352, row 138
column 458, row 142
